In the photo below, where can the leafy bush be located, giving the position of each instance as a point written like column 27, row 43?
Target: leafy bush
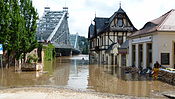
column 49, row 52
column 32, row 58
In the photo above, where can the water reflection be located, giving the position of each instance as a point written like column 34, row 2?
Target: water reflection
column 69, row 72
column 104, row 79
column 10, row 78
column 74, row 72
column 103, row 82
column 78, row 74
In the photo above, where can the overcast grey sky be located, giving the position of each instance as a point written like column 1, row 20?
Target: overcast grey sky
column 82, row 12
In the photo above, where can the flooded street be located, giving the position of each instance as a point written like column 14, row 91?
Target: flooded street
column 75, row 73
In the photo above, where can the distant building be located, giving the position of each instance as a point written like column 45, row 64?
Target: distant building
column 154, row 42
column 108, row 39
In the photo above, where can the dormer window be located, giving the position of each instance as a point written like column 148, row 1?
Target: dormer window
column 120, row 22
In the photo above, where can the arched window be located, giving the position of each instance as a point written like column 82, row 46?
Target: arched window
column 120, row 22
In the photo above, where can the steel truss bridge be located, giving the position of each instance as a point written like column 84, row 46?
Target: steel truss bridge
column 53, row 28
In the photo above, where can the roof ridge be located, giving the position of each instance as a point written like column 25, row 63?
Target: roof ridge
column 102, row 17
column 169, row 13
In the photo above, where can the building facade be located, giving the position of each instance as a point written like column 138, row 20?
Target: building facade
column 154, row 42
column 108, row 39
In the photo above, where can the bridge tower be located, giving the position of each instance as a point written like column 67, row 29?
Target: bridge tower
column 53, row 27
column 74, row 40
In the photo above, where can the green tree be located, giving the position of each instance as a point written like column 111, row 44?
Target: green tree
column 18, row 27
column 83, row 42
column 30, row 16
column 49, row 50
column 5, row 21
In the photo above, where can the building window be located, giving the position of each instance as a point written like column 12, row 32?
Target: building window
column 165, row 58
column 149, row 54
column 120, row 22
column 120, row 39
column 116, row 60
column 103, row 59
column 106, row 59
column 112, row 59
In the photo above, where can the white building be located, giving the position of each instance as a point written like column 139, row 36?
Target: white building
column 154, row 42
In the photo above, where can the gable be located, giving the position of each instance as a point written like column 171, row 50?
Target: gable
column 120, row 20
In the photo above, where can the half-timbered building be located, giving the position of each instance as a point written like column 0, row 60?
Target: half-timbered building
column 108, row 39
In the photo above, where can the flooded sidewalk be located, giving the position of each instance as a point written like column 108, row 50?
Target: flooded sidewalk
column 75, row 73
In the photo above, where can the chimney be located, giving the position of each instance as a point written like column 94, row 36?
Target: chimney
column 46, row 9
column 65, row 9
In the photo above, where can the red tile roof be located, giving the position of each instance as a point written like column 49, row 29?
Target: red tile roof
column 165, row 22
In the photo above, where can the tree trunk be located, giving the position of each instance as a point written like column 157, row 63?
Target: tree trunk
column 24, row 60
column 8, row 56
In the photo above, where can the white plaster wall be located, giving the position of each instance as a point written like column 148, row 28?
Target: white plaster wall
column 115, row 37
column 124, row 38
column 163, row 43
column 106, row 39
column 155, row 49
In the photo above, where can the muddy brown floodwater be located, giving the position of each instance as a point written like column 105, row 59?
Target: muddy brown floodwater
column 75, row 73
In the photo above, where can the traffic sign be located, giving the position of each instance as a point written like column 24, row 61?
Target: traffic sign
column 1, row 49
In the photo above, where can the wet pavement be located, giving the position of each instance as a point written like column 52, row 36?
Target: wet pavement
column 75, row 73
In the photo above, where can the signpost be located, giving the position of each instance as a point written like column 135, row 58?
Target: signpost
column 1, row 49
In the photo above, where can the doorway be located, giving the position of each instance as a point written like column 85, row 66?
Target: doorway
column 123, row 61
column 133, row 55
column 116, row 60
column 112, row 59
column 149, row 55
column 140, row 56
